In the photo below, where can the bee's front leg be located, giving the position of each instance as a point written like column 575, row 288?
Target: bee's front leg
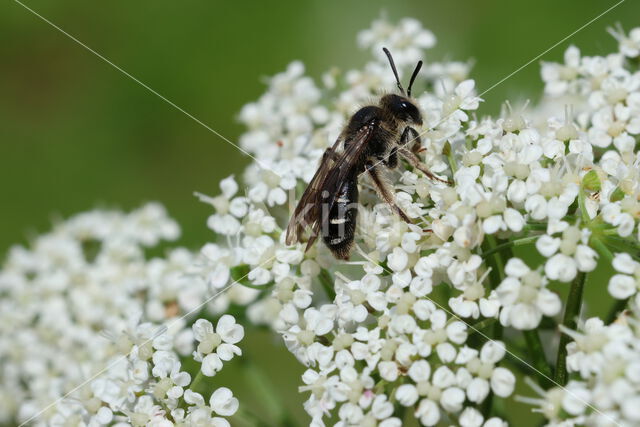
column 414, row 161
column 411, row 136
column 391, row 159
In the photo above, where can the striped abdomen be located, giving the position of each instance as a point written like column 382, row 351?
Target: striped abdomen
column 340, row 225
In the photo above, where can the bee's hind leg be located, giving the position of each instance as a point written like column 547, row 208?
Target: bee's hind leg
column 385, row 191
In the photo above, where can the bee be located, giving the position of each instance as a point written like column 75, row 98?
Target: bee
column 373, row 140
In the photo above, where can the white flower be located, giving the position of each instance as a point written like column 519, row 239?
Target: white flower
column 567, row 255
column 406, row 40
column 524, row 297
column 452, row 399
column 629, row 45
column 222, row 340
column 228, row 210
column 559, row 78
column 627, row 282
column 502, row 382
column 272, row 188
column 471, row 417
column 223, row 403
column 428, row 412
column 407, row 394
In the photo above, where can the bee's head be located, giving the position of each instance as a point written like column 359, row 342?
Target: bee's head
column 402, row 108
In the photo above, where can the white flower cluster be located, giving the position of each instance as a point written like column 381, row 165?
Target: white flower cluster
column 91, row 333
column 606, row 391
column 380, row 332
column 418, row 324
column 386, row 339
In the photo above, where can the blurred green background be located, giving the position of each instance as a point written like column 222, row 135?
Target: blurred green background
column 76, row 134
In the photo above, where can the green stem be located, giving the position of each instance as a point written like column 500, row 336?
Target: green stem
column 196, row 381
column 538, row 226
column 582, row 206
column 602, row 249
column 610, row 232
column 496, row 263
column 629, row 241
column 630, row 244
column 497, row 274
column 509, row 244
column 327, row 284
column 379, row 387
column 536, row 352
column 612, row 243
column 571, row 312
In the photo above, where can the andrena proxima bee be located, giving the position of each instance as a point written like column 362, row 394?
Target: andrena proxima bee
column 373, row 140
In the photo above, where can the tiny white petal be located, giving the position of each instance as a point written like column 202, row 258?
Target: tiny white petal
column 622, row 286
column 223, row 402
column 452, row 399
column 471, row 417
column 502, row 382
column 548, row 245
column 407, row 394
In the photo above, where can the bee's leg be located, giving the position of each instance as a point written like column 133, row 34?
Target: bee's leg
column 411, row 136
column 391, row 160
column 414, row 161
column 385, row 191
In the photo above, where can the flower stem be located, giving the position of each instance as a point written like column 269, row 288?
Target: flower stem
column 571, row 312
column 602, row 249
column 581, row 204
column 196, row 381
column 497, row 274
column 327, row 284
column 496, row 263
column 510, row 243
column 537, row 226
column 536, row 350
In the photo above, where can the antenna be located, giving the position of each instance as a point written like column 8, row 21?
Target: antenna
column 393, row 67
column 413, row 77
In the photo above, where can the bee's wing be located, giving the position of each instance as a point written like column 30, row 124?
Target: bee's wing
column 333, row 171
column 307, row 212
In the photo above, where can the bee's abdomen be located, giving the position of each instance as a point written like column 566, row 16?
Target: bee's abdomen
column 340, row 223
